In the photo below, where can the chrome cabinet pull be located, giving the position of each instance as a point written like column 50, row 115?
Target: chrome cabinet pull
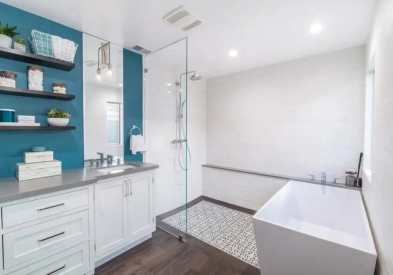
column 44, row 239
column 130, row 187
column 49, row 207
column 54, row 271
column 125, row 188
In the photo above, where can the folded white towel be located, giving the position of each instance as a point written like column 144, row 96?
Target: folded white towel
column 137, row 144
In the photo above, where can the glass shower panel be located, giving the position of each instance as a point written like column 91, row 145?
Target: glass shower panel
column 166, row 133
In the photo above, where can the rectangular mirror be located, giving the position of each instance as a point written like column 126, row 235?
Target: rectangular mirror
column 102, row 98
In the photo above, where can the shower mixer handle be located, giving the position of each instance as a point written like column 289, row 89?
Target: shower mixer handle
column 178, row 141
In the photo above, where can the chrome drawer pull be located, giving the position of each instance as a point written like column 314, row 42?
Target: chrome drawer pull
column 49, row 207
column 51, row 237
column 54, row 271
column 130, row 187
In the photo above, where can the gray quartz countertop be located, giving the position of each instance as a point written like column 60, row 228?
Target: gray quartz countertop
column 11, row 189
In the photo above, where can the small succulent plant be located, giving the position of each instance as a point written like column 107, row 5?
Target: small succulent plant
column 8, row 31
column 56, row 113
column 20, row 40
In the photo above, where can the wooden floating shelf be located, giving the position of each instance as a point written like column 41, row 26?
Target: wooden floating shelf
column 36, row 59
column 36, row 128
column 37, row 94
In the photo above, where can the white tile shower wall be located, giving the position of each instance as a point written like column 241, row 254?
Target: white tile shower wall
column 378, row 194
column 295, row 118
column 160, row 130
column 95, row 101
column 245, row 190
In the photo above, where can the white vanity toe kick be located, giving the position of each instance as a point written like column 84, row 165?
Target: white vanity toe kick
column 45, row 238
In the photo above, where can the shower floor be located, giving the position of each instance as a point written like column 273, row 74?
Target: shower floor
column 224, row 228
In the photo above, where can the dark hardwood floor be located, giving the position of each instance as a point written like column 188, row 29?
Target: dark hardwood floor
column 165, row 255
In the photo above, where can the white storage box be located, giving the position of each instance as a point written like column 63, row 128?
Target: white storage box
column 26, row 118
column 29, row 171
column 35, row 157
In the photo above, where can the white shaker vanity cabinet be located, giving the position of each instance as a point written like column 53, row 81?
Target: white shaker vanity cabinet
column 49, row 234
column 74, row 230
column 124, row 213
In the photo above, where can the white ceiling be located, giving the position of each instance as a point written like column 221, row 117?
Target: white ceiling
column 263, row 31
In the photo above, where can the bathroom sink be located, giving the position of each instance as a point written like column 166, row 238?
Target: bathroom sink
column 115, row 169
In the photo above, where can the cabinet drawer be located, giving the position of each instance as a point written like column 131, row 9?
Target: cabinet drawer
column 36, row 209
column 45, row 238
column 74, row 261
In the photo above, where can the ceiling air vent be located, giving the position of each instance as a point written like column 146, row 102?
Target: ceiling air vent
column 140, row 49
column 91, row 63
column 192, row 25
column 181, row 19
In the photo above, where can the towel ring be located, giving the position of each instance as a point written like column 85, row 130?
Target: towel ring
column 135, row 128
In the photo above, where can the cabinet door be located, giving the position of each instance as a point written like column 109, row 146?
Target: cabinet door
column 140, row 206
column 110, row 215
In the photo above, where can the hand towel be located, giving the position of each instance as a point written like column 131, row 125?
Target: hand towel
column 137, row 144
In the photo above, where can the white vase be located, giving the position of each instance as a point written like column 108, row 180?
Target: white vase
column 5, row 41
column 58, row 121
column 19, row 47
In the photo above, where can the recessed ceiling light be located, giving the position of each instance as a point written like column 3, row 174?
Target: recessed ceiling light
column 120, row 85
column 316, row 28
column 168, row 84
column 233, row 53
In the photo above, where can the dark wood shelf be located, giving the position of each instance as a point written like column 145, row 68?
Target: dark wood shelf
column 36, row 128
column 36, row 59
column 38, row 94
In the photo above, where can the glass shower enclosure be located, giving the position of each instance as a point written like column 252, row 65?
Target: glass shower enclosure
column 165, row 101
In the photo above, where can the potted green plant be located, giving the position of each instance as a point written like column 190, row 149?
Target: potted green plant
column 20, row 44
column 58, row 117
column 6, row 35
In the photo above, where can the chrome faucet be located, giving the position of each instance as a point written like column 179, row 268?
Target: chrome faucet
column 109, row 159
column 323, row 178
column 101, row 157
column 312, row 177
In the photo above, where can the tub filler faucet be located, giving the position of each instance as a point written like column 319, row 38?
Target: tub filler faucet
column 323, row 178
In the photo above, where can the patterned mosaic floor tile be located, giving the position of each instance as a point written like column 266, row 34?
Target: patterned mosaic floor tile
column 226, row 229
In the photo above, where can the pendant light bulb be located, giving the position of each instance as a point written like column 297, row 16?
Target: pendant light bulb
column 110, row 72
column 98, row 75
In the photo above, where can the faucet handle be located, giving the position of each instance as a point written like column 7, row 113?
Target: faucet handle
column 109, row 159
column 312, row 177
column 101, row 154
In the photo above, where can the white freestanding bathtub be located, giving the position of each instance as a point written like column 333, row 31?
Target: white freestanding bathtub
column 311, row 229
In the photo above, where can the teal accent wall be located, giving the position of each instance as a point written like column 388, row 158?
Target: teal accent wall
column 67, row 145
column 133, row 99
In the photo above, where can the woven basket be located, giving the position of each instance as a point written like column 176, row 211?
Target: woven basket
column 41, row 43
column 64, row 49
column 52, row 46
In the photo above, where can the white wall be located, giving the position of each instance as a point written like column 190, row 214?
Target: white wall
column 160, row 128
column 378, row 193
column 295, row 118
column 196, row 135
column 95, row 101
column 245, row 190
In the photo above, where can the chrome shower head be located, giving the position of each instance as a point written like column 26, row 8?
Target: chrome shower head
column 195, row 77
